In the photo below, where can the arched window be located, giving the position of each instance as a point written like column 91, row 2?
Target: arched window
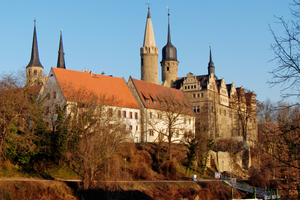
column 35, row 72
column 29, row 72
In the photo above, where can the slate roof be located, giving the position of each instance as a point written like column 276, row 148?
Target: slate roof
column 158, row 93
column 203, row 79
column 100, row 85
column 34, row 60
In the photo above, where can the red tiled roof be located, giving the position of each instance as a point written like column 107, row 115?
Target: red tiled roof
column 97, row 84
column 159, row 93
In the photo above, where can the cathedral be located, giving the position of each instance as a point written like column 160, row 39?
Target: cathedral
column 222, row 110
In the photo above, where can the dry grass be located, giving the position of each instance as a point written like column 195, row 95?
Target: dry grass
column 35, row 190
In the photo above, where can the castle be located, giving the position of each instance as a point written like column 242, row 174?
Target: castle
column 222, row 110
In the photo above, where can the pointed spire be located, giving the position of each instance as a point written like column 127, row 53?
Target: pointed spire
column 34, row 61
column 149, row 40
column 169, row 52
column 169, row 34
column 211, row 66
column 61, row 57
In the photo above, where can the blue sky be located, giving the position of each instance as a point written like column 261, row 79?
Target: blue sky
column 107, row 36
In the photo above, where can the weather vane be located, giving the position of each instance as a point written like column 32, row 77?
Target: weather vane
column 168, row 9
column 209, row 45
column 148, row 4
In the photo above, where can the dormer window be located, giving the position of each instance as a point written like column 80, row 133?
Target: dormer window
column 154, row 102
column 147, row 101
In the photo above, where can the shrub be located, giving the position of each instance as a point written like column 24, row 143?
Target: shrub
column 168, row 169
column 142, row 171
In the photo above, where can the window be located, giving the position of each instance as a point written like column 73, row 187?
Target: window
column 119, row 113
column 56, row 109
column 136, row 116
column 191, row 87
column 162, row 103
column 184, row 87
column 29, row 72
column 158, row 116
column 195, row 86
column 54, row 95
column 188, row 87
column 189, row 120
column 124, row 114
column 48, row 96
column 137, row 128
column 147, row 101
column 110, row 112
column 198, row 108
column 130, row 115
column 150, row 115
column 168, row 68
column 73, row 109
column 195, row 109
column 194, row 95
column 151, row 132
column 35, row 72
column 198, row 95
column 201, row 94
column 154, row 102
column 130, row 127
column 47, row 110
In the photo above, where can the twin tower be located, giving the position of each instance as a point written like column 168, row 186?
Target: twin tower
column 149, row 57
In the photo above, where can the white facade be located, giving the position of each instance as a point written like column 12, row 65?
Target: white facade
column 54, row 97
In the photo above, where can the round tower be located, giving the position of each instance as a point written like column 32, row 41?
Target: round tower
column 149, row 54
column 169, row 63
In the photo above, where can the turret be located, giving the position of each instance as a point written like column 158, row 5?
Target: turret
column 169, row 63
column 211, row 66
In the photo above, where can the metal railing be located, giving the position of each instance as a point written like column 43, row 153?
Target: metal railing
column 246, row 188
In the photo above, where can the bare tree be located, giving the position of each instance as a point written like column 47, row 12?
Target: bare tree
column 20, row 120
column 92, row 131
column 287, row 54
column 171, row 120
column 244, row 110
column 279, row 139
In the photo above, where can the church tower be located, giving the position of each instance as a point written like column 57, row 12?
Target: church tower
column 169, row 63
column 61, row 54
column 149, row 54
column 34, row 70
